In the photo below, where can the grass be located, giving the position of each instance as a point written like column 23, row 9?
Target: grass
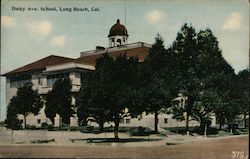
column 211, row 131
column 179, row 130
column 140, row 131
column 192, row 130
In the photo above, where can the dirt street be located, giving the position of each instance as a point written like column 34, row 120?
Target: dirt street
column 220, row 148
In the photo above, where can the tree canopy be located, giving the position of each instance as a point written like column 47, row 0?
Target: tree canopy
column 59, row 99
column 202, row 75
column 110, row 89
column 155, row 80
column 25, row 102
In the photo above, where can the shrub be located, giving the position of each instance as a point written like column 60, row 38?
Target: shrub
column 44, row 125
column 140, row 131
column 73, row 128
column 236, row 132
column 31, row 127
column 89, row 128
column 223, row 133
column 50, row 127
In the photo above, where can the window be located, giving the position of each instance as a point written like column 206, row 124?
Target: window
column 127, row 121
column 165, row 120
column 119, row 42
column 51, row 79
column 38, row 121
column 40, row 81
column 18, row 81
column 113, row 43
column 122, row 121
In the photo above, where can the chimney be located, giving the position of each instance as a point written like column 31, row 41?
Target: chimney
column 100, row 48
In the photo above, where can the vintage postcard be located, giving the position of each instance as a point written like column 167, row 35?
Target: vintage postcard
column 124, row 79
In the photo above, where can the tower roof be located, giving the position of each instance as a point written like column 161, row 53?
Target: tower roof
column 118, row 29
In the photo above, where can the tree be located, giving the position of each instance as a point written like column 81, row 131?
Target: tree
column 58, row 100
column 200, row 69
column 155, row 80
column 25, row 102
column 123, row 83
column 212, row 69
column 82, row 101
column 184, row 50
column 225, row 102
column 112, row 91
column 92, row 100
column 50, row 109
column 12, row 121
column 243, row 91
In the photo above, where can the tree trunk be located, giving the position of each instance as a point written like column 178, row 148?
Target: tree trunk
column 205, row 130
column 220, row 126
column 202, row 123
column 230, row 128
column 24, row 121
column 187, row 123
column 156, row 121
column 245, row 122
column 101, row 126
column 190, row 102
column 116, row 126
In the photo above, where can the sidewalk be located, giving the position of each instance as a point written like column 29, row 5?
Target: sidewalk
column 24, row 137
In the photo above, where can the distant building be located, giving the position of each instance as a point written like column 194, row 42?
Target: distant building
column 44, row 72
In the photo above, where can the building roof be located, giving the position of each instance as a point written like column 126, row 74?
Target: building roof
column 41, row 64
column 139, row 50
column 118, row 29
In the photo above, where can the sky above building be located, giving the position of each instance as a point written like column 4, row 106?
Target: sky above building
column 31, row 30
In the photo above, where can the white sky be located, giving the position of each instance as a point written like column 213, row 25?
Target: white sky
column 31, row 35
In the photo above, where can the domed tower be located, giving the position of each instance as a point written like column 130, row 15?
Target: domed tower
column 118, row 35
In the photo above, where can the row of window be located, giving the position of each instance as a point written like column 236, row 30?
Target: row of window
column 126, row 121
column 18, row 81
column 51, row 79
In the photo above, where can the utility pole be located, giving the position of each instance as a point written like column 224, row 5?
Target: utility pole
column 125, row 12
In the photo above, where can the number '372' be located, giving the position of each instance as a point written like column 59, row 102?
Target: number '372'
column 239, row 155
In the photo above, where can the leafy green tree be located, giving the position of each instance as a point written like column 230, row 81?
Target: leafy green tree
column 200, row 69
column 12, row 121
column 122, row 81
column 243, row 91
column 219, row 78
column 185, row 51
column 58, row 100
column 235, row 104
column 212, row 69
column 155, row 80
column 112, row 91
column 92, row 100
column 50, row 109
column 26, row 101
column 82, row 101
